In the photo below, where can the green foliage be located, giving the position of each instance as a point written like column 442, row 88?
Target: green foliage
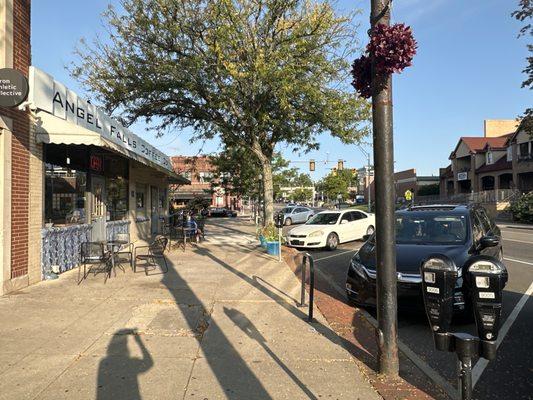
column 270, row 233
column 198, row 203
column 254, row 73
column 428, row 190
column 301, row 195
column 337, row 183
column 522, row 208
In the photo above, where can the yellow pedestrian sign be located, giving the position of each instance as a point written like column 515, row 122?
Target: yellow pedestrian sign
column 408, row 195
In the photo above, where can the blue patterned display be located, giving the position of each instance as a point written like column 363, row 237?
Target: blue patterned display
column 61, row 246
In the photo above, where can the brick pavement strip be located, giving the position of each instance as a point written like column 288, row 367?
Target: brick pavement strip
column 359, row 338
column 221, row 324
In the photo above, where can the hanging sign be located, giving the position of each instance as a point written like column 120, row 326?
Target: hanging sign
column 13, row 87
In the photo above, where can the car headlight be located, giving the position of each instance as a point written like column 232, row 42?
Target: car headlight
column 316, row 234
column 357, row 266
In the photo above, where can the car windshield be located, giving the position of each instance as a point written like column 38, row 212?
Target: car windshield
column 431, row 229
column 287, row 210
column 324, row 219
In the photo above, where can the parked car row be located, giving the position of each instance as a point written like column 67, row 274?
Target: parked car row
column 222, row 212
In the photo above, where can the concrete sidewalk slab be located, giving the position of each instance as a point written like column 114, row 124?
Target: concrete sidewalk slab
column 221, row 324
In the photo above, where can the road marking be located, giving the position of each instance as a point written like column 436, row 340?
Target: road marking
column 335, row 255
column 482, row 363
column 516, row 240
column 518, row 261
column 421, row 364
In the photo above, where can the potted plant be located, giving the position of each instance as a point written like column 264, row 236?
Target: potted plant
column 260, row 236
column 270, row 233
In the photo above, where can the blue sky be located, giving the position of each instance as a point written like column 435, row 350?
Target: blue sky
column 468, row 68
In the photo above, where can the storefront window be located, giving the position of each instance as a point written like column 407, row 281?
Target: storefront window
column 140, row 197
column 64, row 195
column 117, row 198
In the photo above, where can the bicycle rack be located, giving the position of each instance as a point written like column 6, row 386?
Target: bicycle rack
column 307, row 256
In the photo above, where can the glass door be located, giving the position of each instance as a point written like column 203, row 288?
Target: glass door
column 154, row 203
column 98, row 208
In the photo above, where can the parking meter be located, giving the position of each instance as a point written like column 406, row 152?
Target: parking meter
column 439, row 276
column 486, row 277
column 279, row 220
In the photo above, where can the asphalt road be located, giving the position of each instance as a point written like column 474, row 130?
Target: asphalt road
column 510, row 376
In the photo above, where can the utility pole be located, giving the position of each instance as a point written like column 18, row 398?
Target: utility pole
column 385, row 218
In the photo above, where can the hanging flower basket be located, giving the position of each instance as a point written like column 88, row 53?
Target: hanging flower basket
column 392, row 48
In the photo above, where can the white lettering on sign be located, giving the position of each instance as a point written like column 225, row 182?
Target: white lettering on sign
column 487, row 295
column 53, row 97
column 431, row 289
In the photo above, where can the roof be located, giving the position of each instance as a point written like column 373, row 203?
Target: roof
column 477, row 144
column 450, row 208
column 499, row 165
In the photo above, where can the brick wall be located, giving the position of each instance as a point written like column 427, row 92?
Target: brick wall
column 20, row 145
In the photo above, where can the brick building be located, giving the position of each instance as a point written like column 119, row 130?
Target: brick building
column 200, row 172
column 69, row 173
column 18, row 267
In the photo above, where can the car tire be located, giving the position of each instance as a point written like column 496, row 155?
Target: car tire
column 309, row 217
column 288, row 222
column 332, row 241
column 370, row 230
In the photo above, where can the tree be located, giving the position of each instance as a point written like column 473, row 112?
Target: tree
column 525, row 14
column 301, row 194
column 255, row 73
column 337, row 183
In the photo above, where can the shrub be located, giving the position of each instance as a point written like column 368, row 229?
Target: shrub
column 270, row 233
column 522, row 208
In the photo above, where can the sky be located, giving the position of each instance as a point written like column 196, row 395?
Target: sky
column 467, row 69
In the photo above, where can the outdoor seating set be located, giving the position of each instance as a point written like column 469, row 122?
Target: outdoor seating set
column 105, row 256
column 181, row 231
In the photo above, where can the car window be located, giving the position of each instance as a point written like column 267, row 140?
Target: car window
column 484, row 221
column 287, row 210
column 324, row 219
column 300, row 209
column 477, row 228
column 347, row 216
column 357, row 215
column 425, row 228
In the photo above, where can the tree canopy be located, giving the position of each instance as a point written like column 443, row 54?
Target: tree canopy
column 256, row 73
column 337, row 183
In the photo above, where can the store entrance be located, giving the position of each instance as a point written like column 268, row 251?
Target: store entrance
column 154, row 199
column 98, row 208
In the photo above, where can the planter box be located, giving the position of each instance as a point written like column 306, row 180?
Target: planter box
column 262, row 241
column 272, row 248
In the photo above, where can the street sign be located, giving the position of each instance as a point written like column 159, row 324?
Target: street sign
column 462, row 176
column 13, row 87
column 408, row 195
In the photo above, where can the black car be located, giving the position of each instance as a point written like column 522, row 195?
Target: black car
column 221, row 212
column 457, row 231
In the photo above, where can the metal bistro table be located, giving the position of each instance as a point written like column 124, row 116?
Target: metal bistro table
column 114, row 247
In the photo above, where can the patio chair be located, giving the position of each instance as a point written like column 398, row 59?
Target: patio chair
column 93, row 254
column 126, row 249
column 201, row 228
column 151, row 253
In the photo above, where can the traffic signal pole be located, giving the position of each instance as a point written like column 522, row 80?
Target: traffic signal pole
column 384, row 198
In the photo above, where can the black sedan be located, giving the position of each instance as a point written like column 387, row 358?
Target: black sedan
column 458, row 232
column 221, row 212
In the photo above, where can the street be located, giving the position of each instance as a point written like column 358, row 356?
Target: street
column 514, row 355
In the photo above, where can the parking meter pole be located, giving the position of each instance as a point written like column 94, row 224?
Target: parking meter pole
column 279, row 243
column 385, row 208
column 311, row 288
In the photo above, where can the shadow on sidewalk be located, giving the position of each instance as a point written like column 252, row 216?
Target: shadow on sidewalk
column 249, row 328
column 118, row 372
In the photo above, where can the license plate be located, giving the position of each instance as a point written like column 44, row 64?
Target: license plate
column 431, row 289
column 297, row 242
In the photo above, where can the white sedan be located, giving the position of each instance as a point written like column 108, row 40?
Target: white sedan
column 329, row 228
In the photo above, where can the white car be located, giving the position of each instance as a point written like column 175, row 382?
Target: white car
column 329, row 228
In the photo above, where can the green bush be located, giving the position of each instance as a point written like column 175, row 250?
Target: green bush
column 522, row 208
column 270, row 233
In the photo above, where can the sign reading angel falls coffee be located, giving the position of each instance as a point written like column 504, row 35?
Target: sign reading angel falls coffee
column 53, row 97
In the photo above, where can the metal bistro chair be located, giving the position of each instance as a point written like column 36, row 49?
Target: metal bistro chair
column 94, row 253
column 151, row 253
column 126, row 249
column 201, row 227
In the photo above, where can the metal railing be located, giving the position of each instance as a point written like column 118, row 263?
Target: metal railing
column 307, row 257
column 486, row 197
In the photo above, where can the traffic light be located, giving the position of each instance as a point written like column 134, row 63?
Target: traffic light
column 334, row 171
column 354, row 171
column 311, row 165
column 340, row 165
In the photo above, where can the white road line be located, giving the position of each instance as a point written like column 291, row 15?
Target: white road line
column 516, row 240
column 518, row 261
column 406, row 350
column 482, row 363
column 335, row 255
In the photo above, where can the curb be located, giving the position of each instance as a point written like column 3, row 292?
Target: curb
column 358, row 330
column 515, row 226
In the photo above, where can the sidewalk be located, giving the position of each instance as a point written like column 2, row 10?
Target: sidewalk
column 221, row 324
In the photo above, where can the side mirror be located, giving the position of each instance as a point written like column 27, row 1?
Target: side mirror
column 344, row 221
column 489, row 241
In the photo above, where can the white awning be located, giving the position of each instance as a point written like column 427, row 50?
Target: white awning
column 55, row 130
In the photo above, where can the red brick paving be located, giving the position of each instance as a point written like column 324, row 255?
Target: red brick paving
column 359, row 338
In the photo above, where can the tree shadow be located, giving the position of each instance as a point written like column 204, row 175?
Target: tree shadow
column 118, row 372
column 249, row 328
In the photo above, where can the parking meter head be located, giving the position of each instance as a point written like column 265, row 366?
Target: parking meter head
column 279, row 220
column 486, row 277
column 439, row 276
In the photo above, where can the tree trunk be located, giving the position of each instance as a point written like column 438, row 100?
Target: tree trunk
column 268, row 192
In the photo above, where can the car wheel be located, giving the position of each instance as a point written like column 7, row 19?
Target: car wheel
column 288, row 221
column 309, row 217
column 332, row 241
column 370, row 230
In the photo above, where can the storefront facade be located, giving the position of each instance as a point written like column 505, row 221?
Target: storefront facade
column 97, row 177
